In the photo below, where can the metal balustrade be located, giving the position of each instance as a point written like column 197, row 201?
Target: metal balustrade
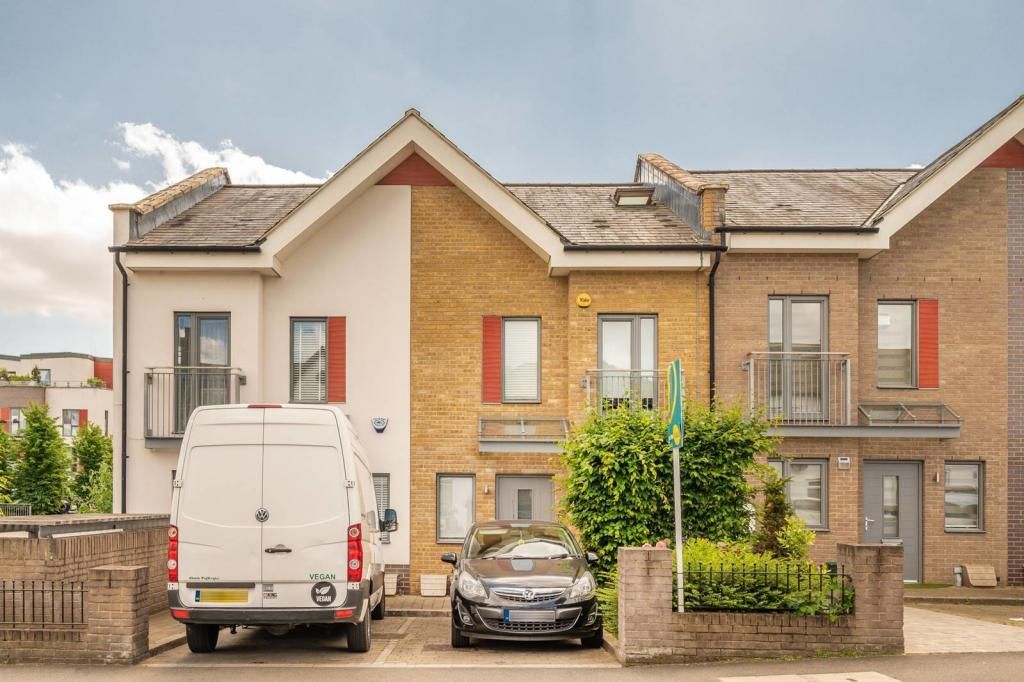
column 798, row 388
column 172, row 393
column 642, row 389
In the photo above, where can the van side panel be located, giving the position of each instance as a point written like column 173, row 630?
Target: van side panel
column 304, row 491
column 221, row 476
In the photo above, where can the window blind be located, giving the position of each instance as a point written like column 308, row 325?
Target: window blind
column 521, row 378
column 309, row 360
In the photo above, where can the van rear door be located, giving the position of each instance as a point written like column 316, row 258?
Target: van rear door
column 305, row 545
column 219, row 548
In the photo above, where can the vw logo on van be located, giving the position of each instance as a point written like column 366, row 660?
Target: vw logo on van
column 262, row 515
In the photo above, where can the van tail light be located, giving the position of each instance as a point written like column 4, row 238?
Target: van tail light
column 172, row 554
column 355, row 553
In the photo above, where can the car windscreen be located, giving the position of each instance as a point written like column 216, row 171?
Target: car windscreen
column 521, row 542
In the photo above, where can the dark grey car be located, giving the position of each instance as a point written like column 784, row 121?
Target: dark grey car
column 523, row 580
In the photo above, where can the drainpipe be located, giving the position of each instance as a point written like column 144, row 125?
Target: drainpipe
column 711, row 317
column 124, row 382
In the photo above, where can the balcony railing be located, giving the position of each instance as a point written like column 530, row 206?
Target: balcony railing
column 172, row 393
column 801, row 388
column 642, row 389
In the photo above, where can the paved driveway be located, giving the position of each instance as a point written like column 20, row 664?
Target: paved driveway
column 398, row 642
column 931, row 632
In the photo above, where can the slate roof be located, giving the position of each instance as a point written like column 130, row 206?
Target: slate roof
column 804, row 198
column 233, row 216
column 585, row 215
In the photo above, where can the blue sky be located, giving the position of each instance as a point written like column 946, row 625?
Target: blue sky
column 542, row 91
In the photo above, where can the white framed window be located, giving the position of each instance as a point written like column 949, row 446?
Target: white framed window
column 964, row 496
column 309, row 360
column 897, row 347
column 70, row 420
column 456, row 506
column 382, row 491
column 806, row 489
column 520, row 360
column 16, row 421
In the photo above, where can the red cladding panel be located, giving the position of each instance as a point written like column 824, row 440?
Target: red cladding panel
column 415, row 171
column 104, row 370
column 928, row 343
column 491, row 375
column 1010, row 155
column 83, row 417
column 336, row 361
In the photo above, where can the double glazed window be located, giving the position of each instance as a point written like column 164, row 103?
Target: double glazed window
column 897, row 322
column 627, row 348
column 70, row 421
column 456, row 500
column 309, row 360
column 202, row 355
column 16, row 420
column 963, row 496
column 806, row 489
column 796, row 374
column 520, row 360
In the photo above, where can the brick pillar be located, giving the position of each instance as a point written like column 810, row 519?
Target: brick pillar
column 645, row 603
column 877, row 572
column 1015, row 379
column 712, row 206
column 118, row 617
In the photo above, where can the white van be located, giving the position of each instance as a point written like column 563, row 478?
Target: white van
column 274, row 522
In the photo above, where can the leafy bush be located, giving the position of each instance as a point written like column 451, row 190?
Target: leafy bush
column 774, row 512
column 8, row 462
column 41, row 478
column 95, row 382
column 795, row 538
column 99, row 496
column 735, row 577
column 608, row 599
column 92, row 449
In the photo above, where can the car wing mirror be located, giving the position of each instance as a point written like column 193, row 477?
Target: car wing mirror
column 390, row 522
column 450, row 558
column 591, row 557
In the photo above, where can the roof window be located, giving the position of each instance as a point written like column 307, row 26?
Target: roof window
column 633, row 196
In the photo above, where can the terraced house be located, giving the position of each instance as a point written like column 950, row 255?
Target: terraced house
column 466, row 324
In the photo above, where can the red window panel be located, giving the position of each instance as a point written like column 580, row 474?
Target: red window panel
column 5, row 419
column 491, row 370
column 83, row 418
column 928, row 343
column 336, row 361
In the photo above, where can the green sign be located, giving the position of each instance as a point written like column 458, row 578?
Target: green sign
column 675, row 403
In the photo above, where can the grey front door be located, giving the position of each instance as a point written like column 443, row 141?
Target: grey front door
column 892, row 510
column 525, row 498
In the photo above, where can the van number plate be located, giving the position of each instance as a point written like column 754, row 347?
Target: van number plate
column 222, row 596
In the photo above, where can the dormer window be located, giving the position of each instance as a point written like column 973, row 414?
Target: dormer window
column 633, row 196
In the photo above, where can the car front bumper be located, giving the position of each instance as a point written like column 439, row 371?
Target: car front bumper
column 486, row 620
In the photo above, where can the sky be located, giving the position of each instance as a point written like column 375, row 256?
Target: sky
column 104, row 102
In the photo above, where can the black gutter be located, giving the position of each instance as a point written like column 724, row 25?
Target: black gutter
column 185, row 248
column 643, row 247
column 824, row 229
column 124, row 382
column 711, row 319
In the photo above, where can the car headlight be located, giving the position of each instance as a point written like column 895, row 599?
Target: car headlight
column 582, row 589
column 470, row 587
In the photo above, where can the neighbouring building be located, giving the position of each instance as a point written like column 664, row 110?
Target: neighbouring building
column 465, row 324
column 75, row 387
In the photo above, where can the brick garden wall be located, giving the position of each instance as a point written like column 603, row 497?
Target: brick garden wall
column 70, row 558
column 116, row 628
column 650, row 631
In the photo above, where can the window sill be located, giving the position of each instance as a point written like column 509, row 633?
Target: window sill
column 819, row 530
column 965, row 531
column 897, row 388
column 449, row 542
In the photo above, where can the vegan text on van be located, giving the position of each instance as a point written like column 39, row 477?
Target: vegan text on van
column 322, row 576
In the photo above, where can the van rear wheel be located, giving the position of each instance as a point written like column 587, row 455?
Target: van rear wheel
column 359, row 636
column 202, row 639
column 378, row 611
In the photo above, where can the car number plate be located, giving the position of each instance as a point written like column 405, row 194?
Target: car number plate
column 222, row 596
column 529, row 615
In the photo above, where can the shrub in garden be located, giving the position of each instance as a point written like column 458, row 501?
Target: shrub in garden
column 41, row 478
column 8, row 461
column 91, row 449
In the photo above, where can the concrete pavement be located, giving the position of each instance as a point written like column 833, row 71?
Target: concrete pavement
column 929, row 632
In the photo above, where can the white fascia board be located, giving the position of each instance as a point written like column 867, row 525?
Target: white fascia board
column 408, row 136
column 866, row 244
column 564, row 262
column 181, row 261
column 953, row 172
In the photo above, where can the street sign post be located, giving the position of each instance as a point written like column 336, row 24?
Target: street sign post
column 676, row 427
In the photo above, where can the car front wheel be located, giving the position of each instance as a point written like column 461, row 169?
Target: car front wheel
column 594, row 641
column 459, row 640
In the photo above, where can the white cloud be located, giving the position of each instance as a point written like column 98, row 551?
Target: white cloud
column 54, row 233
column 914, row 166
column 181, row 159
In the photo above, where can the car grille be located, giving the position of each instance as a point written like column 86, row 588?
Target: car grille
column 519, row 594
column 560, row 625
